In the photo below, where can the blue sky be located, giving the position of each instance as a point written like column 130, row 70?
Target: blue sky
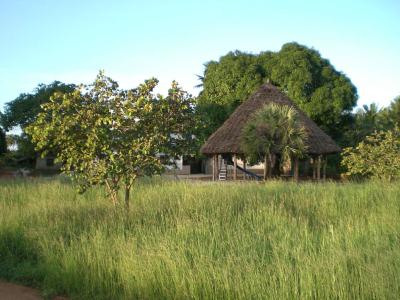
column 46, row 40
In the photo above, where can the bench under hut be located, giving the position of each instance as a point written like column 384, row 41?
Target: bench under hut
column 226, row 141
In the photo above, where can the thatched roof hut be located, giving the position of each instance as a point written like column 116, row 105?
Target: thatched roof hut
column 226, row 140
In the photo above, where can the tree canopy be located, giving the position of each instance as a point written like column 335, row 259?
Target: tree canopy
column 377, row 156
column 3, row 142
column 106, row 135
column 23, row 110
column 370, row 118
column 366, row 120
column 226, row 84
column 392, row 113
column 326, row 95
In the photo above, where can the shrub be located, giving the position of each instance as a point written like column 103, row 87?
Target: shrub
column 378, row 156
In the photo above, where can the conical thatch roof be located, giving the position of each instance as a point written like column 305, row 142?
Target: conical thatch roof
column 227, row 138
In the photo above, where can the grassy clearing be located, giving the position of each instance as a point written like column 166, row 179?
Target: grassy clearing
column 186, row 240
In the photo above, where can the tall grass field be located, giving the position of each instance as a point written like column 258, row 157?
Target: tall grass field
column 188, row 240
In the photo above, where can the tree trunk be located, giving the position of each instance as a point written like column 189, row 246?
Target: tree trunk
column 127, row 194
column 272, row 160
column 287, row 167
column 266, row 169
column 112, row 194
column 296, row 169
column 244, row 167
column 234, row 167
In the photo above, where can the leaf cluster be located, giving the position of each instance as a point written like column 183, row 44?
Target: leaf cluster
column 274, row 129
column 23, row 110
column 377, row 156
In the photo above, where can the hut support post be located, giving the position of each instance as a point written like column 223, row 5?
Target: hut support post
column 296, row 169
column 319, row 167
column 313, row 167
column 306, row 167
column 234, row 167
column 244, row 167
column 214, row 167
column 324, row 168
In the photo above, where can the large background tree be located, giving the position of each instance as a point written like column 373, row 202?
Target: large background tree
column 226, row 84
column 22, row 111
column 325, row 94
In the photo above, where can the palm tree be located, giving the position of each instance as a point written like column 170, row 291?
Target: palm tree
column 275, row 129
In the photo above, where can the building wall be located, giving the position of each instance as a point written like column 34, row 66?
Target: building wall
column 45, row 164
column 180, row 168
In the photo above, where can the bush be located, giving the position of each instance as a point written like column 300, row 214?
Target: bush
column 378, row 156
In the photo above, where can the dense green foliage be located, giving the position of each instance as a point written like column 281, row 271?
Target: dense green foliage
column 326, row 95
column 23, row 110
column 3, row 142
column 105, row 135
column 368, row 119
column 20, row 154
column 276, row 240
column 391, row 114
column 378, row 156
column 274, row 129
column 226, row 84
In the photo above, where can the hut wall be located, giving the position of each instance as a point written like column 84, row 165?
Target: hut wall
column 258, row 169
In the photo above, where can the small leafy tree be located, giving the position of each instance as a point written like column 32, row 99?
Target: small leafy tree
column 105, row 135
column 378, row 156
column 274, row 129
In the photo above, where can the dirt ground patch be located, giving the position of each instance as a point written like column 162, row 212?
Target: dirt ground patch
column 10, row 291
